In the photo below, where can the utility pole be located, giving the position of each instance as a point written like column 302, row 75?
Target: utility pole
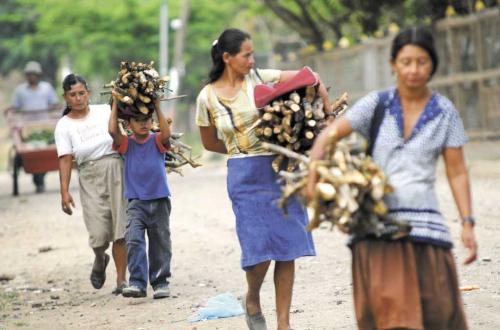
column 178, row 70
column 164, row 44
column 180, row 38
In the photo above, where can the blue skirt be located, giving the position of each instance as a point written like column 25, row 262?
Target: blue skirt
column 263, row 231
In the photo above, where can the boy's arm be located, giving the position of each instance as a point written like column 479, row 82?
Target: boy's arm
column 165, row 124
column 113, row 129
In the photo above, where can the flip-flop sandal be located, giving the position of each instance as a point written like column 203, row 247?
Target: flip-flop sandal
column 256, row 321
column 97, row 278
column 119, row 289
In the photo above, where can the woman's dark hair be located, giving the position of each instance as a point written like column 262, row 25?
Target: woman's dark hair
column 418, row 36
column 69, row 81
column 229, row 41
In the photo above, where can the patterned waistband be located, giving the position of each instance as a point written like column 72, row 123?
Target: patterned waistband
column 95, row 161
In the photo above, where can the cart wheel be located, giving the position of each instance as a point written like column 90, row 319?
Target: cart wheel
column 15, row 173
column 11, row 155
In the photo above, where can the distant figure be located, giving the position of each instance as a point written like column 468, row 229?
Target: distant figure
column 34, row 97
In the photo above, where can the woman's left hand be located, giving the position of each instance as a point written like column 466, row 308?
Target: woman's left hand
column 469, row 241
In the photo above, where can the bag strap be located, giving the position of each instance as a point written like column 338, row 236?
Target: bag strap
column 258, row 75
column 378, row 116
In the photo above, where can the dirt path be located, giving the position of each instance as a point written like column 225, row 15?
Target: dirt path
column 51, row 289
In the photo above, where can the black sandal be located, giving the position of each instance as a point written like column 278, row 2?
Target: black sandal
column 97, row 278
column 119, row 289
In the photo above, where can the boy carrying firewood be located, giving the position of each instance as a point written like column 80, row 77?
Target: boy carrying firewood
column 148, row 196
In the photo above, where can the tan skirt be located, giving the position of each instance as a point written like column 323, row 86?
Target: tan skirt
column 405, row 285
column 103, row 202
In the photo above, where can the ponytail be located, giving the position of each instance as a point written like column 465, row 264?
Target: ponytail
column 66, row 110
column 217, row 64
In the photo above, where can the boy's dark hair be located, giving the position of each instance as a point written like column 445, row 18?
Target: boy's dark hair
column 229, row 41
column 69, row 81
column 140, row 116
column 418, row 36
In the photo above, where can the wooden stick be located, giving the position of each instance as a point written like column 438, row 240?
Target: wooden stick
column 286, row 152
column 173, row 97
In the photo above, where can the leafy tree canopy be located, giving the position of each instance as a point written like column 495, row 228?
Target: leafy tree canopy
column 95, row 35
column 320, row 20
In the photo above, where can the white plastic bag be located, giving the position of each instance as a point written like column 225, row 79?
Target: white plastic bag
column 222, row 305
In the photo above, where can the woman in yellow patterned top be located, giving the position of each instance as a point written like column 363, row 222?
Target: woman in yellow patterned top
column 226, row 114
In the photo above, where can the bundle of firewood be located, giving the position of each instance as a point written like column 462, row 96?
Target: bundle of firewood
column 349, row 193
column 179, row 155
column 293, row 121
column 137, row 86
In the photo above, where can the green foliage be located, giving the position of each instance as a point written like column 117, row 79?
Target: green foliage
column 206, row 21
column 95, row 35
column 41, row 136
column 16, row 21
column 319, row 20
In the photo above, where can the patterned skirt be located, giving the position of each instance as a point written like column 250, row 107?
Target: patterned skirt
column 263, row 230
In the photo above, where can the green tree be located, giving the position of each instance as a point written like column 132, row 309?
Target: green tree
column 207, row 20
column 96, row 35
column 17, row 26
column 320, row 20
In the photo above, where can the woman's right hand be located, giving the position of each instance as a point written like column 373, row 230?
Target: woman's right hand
column 470, row 243
column 114, row 95
column 312, row 179
column 338, row 129
column 67, row 203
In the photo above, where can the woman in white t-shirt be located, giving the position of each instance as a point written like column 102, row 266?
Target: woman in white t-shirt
column 82, row 134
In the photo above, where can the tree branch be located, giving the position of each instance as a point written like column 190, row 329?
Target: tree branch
column 303, row 24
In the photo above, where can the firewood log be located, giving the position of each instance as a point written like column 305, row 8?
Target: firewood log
column 294, row 120
column 349, row 192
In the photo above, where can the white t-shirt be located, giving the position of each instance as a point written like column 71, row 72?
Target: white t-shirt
column 86, row 138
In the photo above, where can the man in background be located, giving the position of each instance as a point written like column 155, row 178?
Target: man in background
column 34, row 98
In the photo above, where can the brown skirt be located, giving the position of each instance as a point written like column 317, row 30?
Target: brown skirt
column 405, row 285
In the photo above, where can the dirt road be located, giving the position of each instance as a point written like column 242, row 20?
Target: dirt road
column 51, row 290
